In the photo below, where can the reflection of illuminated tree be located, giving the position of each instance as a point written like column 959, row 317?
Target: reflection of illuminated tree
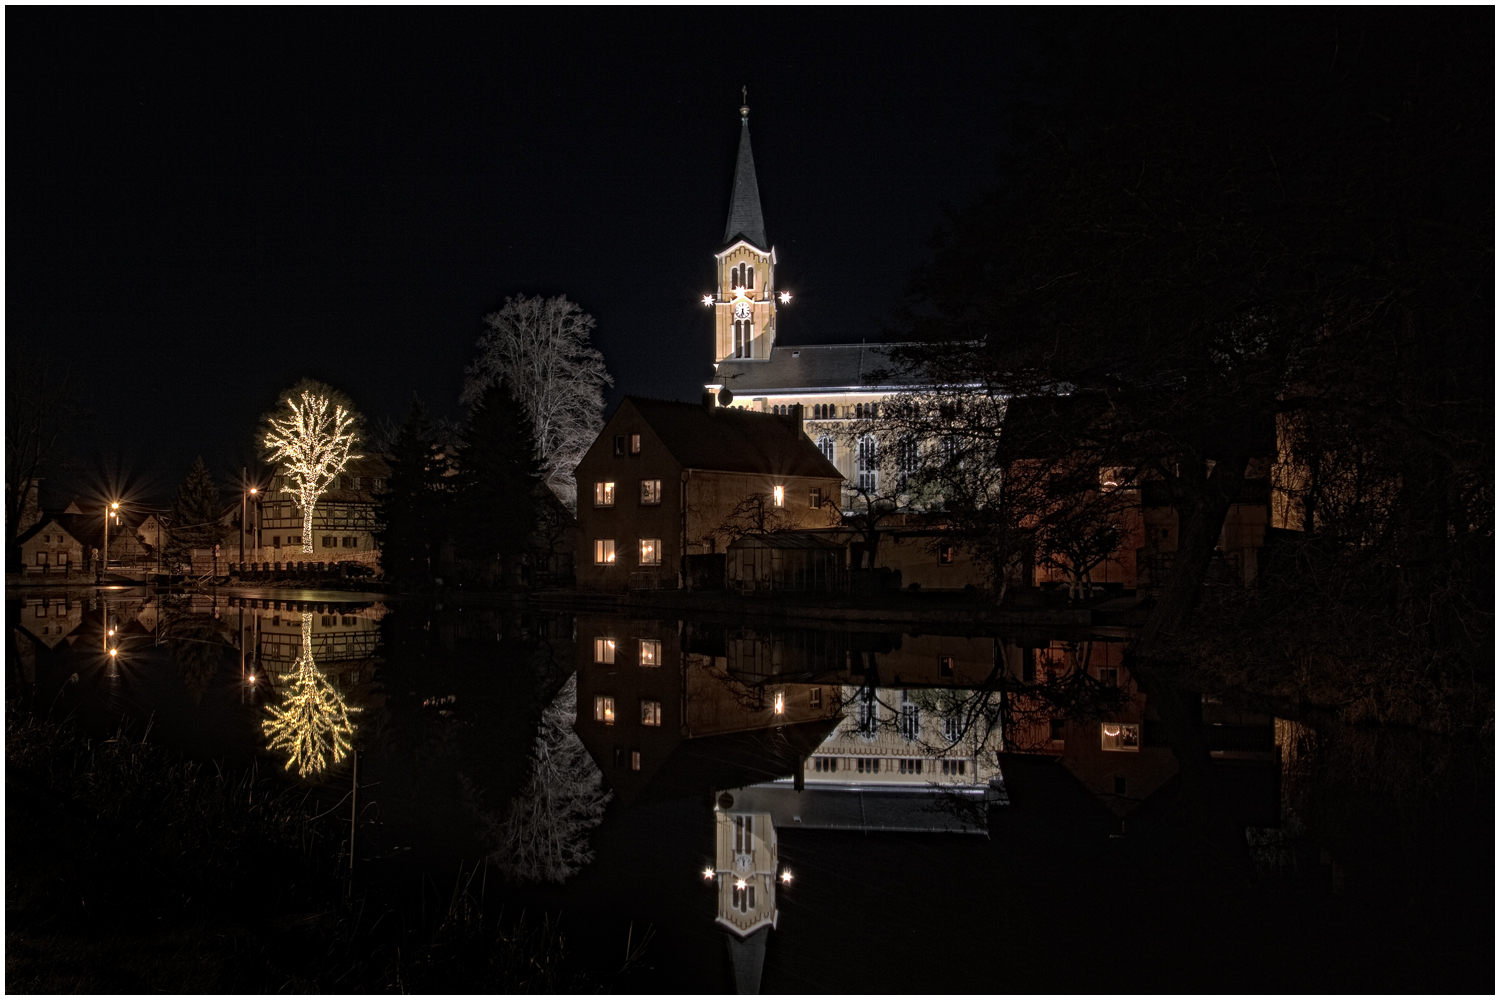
column 311, row 725
column 544, row 836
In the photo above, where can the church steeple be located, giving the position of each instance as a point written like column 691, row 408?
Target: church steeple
column 745, row 221
column 745, row 304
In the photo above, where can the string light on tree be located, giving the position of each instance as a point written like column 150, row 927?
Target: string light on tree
column 311, row 725
column 313, row 445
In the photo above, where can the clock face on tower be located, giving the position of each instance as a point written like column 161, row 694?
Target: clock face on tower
column 742, row 311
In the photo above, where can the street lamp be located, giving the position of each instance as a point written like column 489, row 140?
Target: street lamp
column 112, row 509
column 244, row 497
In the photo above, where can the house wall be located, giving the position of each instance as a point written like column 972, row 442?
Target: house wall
column 52, row 551
column 628, row 520
column 917, row 558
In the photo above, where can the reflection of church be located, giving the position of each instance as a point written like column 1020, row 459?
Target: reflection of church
column 831, row 382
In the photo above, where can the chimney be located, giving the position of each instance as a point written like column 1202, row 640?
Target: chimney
column 794, row 414
column 708, row 400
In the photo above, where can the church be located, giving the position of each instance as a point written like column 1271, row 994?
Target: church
column 831, row 382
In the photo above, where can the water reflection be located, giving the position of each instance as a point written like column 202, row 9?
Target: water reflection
column 311, row 724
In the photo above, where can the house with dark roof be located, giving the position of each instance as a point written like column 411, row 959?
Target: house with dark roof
column 54, row 546
column 665, row 480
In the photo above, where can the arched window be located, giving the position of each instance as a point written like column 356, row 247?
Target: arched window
column 742, row 276
column 908, row 456
column 825, row 445
column 867, row 461
column 744, row 333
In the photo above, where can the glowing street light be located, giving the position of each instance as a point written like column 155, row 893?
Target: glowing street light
column 245, row 496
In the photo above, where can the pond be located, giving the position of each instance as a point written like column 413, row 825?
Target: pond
column 751, row 805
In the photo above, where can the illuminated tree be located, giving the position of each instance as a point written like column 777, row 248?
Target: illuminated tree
column 313, row 446
column 311, row 725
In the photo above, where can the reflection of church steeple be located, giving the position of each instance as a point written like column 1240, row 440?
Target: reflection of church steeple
column 745, row 866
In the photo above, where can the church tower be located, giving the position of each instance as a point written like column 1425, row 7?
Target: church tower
column 745, row 304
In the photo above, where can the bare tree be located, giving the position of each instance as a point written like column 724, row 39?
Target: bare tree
column 544, row 836
column 313, row 445
column 541, row 348
column 40, row 402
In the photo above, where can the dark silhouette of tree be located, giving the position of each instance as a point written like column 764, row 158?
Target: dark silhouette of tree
column 413, row 510
column 41, row 405
column 195, row 518
column 497, row 505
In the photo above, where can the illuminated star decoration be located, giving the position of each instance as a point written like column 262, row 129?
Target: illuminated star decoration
column 786, row 297
column 708, row 300
column 314, row 446
column 311, row 725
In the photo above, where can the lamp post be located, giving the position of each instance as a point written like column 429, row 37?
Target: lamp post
column 113, row 508
column 244, row 498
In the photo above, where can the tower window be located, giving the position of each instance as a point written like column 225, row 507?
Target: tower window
column 742, row 276
column 744, row 334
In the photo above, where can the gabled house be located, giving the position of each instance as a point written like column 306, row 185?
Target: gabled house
column 667, row 480
column 55, row 546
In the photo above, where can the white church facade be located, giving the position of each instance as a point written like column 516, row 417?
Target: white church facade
column 831, row 382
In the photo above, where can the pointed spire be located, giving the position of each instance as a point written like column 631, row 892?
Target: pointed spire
column 744, row 200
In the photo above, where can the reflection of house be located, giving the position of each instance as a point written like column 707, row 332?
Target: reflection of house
column 663, row 478
column 661, row 723
column 51, row 619
column 343, row 640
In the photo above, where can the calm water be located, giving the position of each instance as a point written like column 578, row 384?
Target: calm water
column 842, row 810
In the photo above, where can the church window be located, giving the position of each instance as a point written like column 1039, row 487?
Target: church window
column 868, row 476
column 910, row 722
column 825, row 445
column 742, row 276
column 650, row 491
column 908, row 456
column 865, row 717
column 744, row 334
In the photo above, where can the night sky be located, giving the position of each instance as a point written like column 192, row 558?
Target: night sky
column 204, row 206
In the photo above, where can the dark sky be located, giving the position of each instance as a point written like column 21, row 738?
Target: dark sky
column 204, row 206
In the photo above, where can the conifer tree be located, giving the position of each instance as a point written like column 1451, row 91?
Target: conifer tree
column 499, row 480
column 413, row 509
column 196, row 510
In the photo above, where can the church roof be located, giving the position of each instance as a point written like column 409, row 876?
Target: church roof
column 745, row 221
column 732, row 439
column 817, row 366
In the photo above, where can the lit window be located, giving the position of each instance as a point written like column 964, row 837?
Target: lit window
column 635, row 760
column 1119, row 736
column 604, row 650
column 650, row 652
column 635, row 444
column 604, row 709
column 778, row 495
column 650, row 491
column 945, row 666
column 814, row 497
column 650, row 713
column 946, row 554
column 604, row 494
column 604, row 552
column 650, row 551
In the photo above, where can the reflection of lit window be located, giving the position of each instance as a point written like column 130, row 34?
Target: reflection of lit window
column 650, row 551
column 945, row 666
column 946, row 555
column 604, row 494
column 815, row 698
column 635, row 760
column 778, row 495
column 604, row 650
column 1119, row 736
column 635, row 444
column 650, row 652
column 650, row 491
column 604, row 552
column 864, row 714
column 604, row 709
column 814, row 497
column 650, row 713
